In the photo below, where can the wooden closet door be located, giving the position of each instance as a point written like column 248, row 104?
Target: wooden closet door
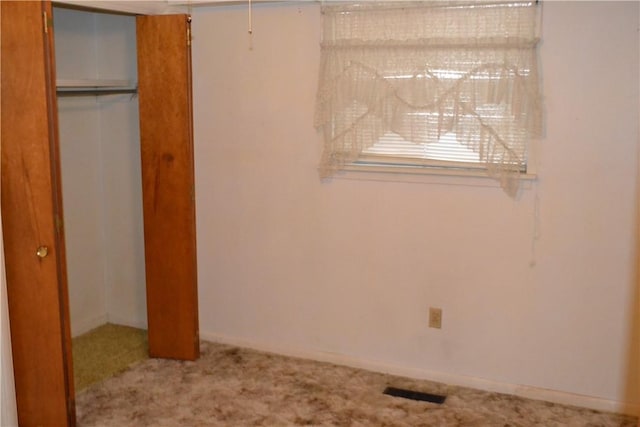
column 166, row 138
column 31, row 209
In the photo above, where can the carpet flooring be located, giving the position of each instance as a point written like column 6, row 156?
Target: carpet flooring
column 231, row 386
column 106, row 351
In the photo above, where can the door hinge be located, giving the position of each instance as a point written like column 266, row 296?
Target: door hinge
column 188, row 35
column 47, row 22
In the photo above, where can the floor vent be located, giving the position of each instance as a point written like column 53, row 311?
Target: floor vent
column 415, row 395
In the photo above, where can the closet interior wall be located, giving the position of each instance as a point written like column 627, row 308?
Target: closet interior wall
column 101, row 177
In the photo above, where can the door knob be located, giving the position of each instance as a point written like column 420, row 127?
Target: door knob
column 42, row 251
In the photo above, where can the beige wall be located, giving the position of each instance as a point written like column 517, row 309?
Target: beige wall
column 346, row 269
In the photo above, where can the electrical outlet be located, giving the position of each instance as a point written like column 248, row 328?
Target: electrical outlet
column 435, row 317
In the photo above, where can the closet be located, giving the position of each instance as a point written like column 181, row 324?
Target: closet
column 96, row 118
column 96, row 84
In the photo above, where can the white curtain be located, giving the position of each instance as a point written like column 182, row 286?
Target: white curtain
column 425, row 68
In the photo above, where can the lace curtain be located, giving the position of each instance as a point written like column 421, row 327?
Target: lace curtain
column 425, row 68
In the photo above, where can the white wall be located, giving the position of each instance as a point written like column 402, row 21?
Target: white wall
column 345, row 270
column 79, row 129
column 100, row 156
column 122, row 180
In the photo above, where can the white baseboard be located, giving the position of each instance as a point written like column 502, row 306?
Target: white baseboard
column 528, row 392
column 85, row 325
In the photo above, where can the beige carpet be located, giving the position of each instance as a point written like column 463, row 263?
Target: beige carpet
column 229, row 386
column 106, row 351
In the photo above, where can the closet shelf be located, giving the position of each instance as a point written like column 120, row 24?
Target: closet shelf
column 78, row 87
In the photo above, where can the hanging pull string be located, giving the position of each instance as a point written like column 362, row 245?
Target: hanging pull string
column 250, row 31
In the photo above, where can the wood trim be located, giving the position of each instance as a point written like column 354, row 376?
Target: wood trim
column 58, row 211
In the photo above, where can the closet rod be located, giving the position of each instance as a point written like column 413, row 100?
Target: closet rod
column 95, row 92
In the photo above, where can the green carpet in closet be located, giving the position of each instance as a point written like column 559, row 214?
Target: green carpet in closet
column 106, row 351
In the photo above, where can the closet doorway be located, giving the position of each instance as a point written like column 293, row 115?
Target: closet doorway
column 32, row 200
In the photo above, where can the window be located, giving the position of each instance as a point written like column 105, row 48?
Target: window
column 440, row 84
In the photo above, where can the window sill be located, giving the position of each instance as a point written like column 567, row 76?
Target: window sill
column 426, row 175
